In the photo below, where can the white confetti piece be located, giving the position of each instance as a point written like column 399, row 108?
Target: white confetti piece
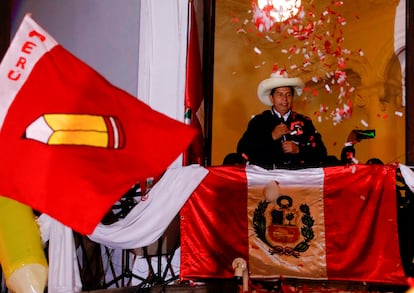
column 398, row 113
column 257, row 51
column 363, row 122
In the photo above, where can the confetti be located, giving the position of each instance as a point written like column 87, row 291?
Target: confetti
column 363, row 122
column 353, row 167
column 398, row 113
column 310, row 40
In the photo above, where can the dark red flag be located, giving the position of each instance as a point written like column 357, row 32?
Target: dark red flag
column 194, row 113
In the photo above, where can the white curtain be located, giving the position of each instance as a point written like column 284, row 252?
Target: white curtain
column 399, row 41
column 162, row 55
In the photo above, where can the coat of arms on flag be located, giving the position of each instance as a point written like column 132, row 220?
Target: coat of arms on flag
column 286, row 222
column 277, row 219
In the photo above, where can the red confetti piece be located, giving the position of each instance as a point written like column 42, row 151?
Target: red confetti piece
column 327, row 46
column 341, row 20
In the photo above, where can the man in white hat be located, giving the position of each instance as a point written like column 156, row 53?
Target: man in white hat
column 280, row 137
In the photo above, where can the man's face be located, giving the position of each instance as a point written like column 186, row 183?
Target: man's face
column 282, row 99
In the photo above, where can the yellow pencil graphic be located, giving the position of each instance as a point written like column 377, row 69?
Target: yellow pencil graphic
column 77, row 129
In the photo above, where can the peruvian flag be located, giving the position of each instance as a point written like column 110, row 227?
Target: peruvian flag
column 71, row 144
column 336, row 223
column 193, row 103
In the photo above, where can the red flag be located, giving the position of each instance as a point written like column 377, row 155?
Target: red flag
column 71, row 143
column 194, row 113
column 337, row 223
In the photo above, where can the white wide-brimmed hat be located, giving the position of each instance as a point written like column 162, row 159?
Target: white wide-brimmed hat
column 278, row 79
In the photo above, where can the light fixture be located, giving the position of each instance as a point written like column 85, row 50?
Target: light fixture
column 280, row 10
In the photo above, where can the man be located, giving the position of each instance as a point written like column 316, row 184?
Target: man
column 280, row 137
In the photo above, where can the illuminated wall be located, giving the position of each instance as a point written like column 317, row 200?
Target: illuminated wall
column 365, row 34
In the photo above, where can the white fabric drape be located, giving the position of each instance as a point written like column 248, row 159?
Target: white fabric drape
column 63, row 264
column 162, row 55
column 408, row 175
column 148, row 220
column 143, row 226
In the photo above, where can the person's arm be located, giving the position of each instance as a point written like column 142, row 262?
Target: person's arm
column 257, row 142
column 348, row 151
column 253, row 139
column 353, row 138
column 312, row 149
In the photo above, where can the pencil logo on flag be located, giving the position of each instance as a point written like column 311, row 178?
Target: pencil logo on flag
column 77, row 129
column 63, row 121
